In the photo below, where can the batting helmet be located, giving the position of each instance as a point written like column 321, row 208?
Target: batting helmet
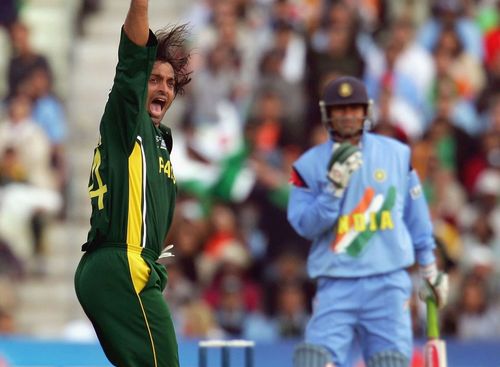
column 343, row 91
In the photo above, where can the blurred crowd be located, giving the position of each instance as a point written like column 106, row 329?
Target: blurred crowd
column 33, row 179
column 432, row 69
column 33, row 128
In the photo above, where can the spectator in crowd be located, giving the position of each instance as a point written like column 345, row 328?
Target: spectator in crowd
column 333, row 49
column 273, row 145
column 48, row 110
column 232, row 277
column 291, row 315
column 30, row 194
column 24, row 212
column 282, row 69
column 180, row 291
column 462, row 67
column 198, row 322
column 482, row 248
column 287, row 268
column 24, row 58
column 229, row 25
column 437, row 158
column 230, row 312
column 216, row 82
column 404, row 66
column 287, row 39
column 446, row 13
column 49, row 113
column 190, row 227
column 484, row 202
column 393, row 107
column 475, row 316
column 21, row 133
column 223, row 241
column 449, row 104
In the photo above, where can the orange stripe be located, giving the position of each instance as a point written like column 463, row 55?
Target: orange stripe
column 360, row 208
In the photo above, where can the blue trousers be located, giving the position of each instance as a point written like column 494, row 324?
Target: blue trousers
column 371, row 310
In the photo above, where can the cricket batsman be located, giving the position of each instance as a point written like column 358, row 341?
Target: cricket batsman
column 358, row 200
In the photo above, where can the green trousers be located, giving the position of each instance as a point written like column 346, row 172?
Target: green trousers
column 121, row 293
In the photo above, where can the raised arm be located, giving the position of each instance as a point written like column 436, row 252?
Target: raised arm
column 137, row 24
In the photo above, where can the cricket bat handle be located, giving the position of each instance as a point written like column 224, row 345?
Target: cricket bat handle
column 432, row 319
column 435, row 348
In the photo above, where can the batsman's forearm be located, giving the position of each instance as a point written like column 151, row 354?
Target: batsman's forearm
column 313, row 218
column 137, row 23
column 418, row 221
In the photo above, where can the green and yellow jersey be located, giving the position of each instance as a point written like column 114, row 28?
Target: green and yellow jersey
column 132, row 184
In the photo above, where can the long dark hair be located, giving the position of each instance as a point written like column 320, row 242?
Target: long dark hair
column 171, row 48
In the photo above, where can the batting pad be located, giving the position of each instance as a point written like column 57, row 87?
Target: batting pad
column 388, row 359
column 310, row 355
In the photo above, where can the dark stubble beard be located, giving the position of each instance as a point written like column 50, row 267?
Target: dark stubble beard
column 340, row 136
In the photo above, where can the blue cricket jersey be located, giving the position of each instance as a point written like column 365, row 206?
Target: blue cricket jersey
column 382, row 222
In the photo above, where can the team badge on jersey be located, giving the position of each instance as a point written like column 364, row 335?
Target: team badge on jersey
column 161, row 142
column 380, row 175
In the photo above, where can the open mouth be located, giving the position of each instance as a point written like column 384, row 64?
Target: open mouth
column 157, row 105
